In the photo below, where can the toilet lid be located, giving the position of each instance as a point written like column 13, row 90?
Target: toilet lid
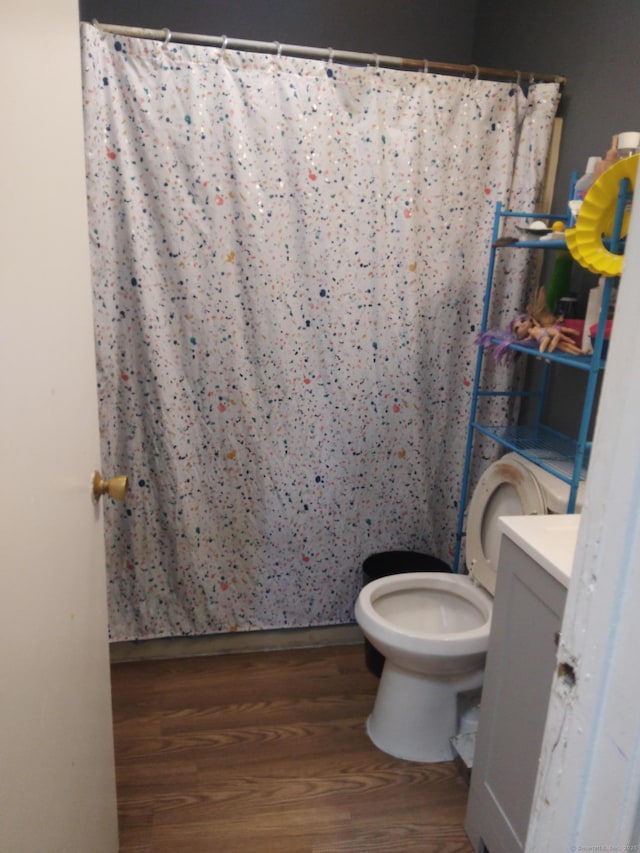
column 506, row 488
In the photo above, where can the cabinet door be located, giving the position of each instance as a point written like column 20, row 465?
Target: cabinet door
column 527, row 615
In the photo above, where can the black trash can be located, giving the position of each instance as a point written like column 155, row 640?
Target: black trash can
column 394, row 563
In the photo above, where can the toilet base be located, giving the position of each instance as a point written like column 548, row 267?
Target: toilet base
column 415, row 716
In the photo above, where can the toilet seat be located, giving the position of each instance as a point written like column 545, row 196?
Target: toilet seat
column 507, row 487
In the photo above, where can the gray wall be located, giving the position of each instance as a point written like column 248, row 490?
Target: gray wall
column 433, row 29
column 594, row 43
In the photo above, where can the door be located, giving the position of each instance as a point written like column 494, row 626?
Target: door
column 57, row 781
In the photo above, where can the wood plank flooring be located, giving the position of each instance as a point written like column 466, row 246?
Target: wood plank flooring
column 267, row 753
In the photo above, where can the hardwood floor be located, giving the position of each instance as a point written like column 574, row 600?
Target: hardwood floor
column 267, row 753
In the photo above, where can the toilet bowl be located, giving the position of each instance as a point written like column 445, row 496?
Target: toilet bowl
column 433, row 628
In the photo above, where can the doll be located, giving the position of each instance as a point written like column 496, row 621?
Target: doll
column 538, row 326
column 548, row 337
column 544, row 327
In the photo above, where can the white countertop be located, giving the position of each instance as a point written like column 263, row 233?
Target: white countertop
column 550, row 540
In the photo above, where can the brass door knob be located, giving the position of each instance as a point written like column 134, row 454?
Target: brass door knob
column 116, row 487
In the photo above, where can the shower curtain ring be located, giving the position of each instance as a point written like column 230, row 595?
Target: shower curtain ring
column 224, row 42
column 167, row 35
column 278, row 47
column 477, row 74
column 376, row 60
column 425, row 70
column 330, row 51
column 518, row 78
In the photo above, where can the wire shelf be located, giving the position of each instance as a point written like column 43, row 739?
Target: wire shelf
column 541, row 445
column 581, row 362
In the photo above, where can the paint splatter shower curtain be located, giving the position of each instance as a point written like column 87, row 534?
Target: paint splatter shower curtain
column 288, row 261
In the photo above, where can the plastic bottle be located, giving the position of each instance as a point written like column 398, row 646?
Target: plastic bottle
column 628, row 144
column 560, row 280
column 582, row 187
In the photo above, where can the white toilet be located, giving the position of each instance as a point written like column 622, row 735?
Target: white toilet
column 433, row 627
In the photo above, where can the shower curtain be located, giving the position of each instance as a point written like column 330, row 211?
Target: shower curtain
column 288, row 262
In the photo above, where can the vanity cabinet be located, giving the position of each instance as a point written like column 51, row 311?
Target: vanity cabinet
column 521, row 659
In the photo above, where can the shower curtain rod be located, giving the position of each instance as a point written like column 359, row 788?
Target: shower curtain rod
column 330, row 54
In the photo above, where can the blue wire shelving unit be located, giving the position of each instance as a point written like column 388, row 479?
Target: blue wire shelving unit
column 565, row 457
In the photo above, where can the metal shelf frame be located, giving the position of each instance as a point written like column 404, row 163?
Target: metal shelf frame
column 556, row 453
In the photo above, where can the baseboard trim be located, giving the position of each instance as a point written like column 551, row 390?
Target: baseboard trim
column 246, row 641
